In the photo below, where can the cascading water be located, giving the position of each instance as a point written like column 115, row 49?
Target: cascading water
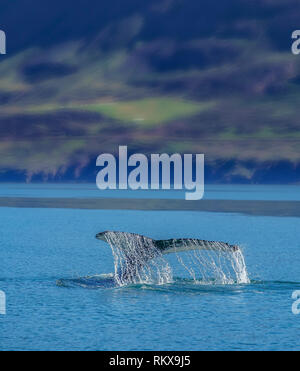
column 137, row 260
column 221, row 267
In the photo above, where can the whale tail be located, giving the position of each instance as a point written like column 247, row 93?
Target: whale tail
column 172, row 245
column 189, row 244
column 138, row 258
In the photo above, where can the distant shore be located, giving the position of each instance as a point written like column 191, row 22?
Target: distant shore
column 258, row 208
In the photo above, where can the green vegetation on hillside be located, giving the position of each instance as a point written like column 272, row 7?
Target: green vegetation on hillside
column 164, row 76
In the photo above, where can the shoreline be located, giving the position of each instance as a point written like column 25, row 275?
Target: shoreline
column 257, row 208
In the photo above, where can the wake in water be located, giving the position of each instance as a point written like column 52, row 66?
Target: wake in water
column 140, row 260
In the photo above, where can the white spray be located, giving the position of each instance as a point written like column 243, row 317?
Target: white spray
column 137, row 260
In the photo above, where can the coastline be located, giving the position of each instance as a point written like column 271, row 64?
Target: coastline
column 249, row 207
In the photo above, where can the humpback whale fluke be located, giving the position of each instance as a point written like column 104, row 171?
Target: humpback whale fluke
column 138, row 258
column 173, row 245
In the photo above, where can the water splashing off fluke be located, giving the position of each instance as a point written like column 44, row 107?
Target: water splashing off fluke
column 140, row 259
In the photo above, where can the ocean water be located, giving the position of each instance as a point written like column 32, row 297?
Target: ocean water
column 46, row 256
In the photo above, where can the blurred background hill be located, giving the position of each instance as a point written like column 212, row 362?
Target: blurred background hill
column 82, row 77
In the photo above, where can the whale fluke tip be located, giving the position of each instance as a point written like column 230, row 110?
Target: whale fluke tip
column 101, row 236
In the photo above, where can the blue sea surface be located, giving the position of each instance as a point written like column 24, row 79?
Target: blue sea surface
column 46, row 253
